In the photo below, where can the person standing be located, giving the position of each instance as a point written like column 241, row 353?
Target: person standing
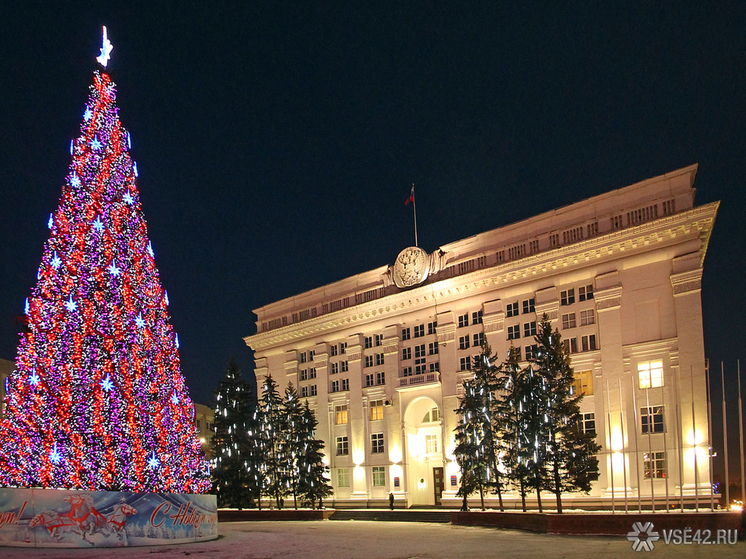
column 391, row 501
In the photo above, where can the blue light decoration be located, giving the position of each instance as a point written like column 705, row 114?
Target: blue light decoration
column 113, row 270
column 71, row 305
column 75, row 181
column 87, row 114
column 176, row 341
column 165, row 297
column 153, row 461
column 56, row 262
column 128, row 199
column 96, row 143
column 7, row 386
column 129, row 141
column 55, row 455
column 34, row 379
column 150, row 250
column 139, row 322
column 72, row 146
column 26, row 308
column 98, row 224
column 50, row 223
column 134, row 169
column 175, row 399
column 106, row 384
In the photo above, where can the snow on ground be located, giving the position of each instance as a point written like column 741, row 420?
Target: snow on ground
column 382, row 540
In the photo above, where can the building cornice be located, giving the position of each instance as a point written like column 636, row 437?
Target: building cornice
column 693, row 224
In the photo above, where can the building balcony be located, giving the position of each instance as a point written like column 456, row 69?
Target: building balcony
column 419, row 380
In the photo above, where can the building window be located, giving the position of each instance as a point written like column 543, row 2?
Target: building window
column 589, row 343
column 419, row 351
column 340, row 415
column 463, row 320
column 343, row 348
column 554, row 240
column 568, row 321
column 585, row 293
column 592, row 229
column 343, row 477
column 379, row 476
column 312, row 390
column 376, row 442
column 571, row 345
column 406, row 372
column 533, row 246
column 345, row 384
column 463, row 342
column 311, row 354
column 312, row 372
column 433, row 348
column 514, row 332
column 369, row 380
column 531, row 351
column 616, row 222
column 378, row 339
column 465, row 363
column 652, row 420
column 478, row 339
column 376, row 410
column 406, row 353
column 343, row 448
column 405, row 334
column 381, row 378
column 654, row 465
column 476, row 317
column 419, row 330
column 435, row 367
column 368, row 342
column 303, row 394
column 304, row 374
column 587, row 317
column 529, row 329
column 431, row 444
column 335, row 386
column 335, row 369
column 589, row 423
column 432, row 328
column 332, row 350
column 344, row 366
column 432, row 416
column 528, row 306
column 500, row 255
column 421, row 368
column 651, row 374
column 512, row 309
column 368, row 360
column 583, row 383
column 379, row 359
column 567, row 297
column 303, row 357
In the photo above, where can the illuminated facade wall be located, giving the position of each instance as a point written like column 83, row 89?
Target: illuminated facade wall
column 618, row 274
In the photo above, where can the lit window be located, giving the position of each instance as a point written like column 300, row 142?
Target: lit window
column 583, row 383
column 431, row 444
column 650, row 374
column 654, row 464
column 379, row 476
column 340, row 415
column 376, row 410
column 343, row 477
column 589, row 423
column 652, row 420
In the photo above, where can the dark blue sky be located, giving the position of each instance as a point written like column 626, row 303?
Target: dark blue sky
column 277, row 141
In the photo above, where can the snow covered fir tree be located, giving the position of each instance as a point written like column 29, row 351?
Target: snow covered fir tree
column 97, row 400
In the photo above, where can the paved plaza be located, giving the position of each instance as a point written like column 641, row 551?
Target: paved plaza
column 384, row 540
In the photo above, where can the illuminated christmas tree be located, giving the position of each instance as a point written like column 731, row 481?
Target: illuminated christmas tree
column 97, row 400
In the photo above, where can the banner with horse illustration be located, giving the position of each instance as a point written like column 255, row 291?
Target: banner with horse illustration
column 66, row 518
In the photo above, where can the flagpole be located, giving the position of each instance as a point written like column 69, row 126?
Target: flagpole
column 414, row 206
column 740, row 429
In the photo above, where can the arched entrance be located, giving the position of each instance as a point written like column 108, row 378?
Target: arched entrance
column 423, row 433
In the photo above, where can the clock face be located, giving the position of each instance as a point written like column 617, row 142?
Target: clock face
column 411, row 267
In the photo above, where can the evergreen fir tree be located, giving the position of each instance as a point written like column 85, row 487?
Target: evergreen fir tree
column 313, row 480
column 272, row 427
column 535, row 431
column 476, row 432
column 293, row 441
column 233, row 471
column 97, row 400
column 513, row 443
column 571, row 454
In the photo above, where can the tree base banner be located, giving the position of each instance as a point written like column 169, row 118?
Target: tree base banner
column 70, row 518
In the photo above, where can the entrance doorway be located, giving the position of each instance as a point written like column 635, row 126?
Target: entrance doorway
column 438, row 484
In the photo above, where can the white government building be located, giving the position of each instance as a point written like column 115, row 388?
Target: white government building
column 381, row 356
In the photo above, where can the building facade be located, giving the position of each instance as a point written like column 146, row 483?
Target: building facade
column 381, row 356
column 204, row 421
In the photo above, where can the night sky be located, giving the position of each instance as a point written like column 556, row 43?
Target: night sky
column 276, row 142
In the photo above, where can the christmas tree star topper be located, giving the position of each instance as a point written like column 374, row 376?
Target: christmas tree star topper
column 106, row 48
